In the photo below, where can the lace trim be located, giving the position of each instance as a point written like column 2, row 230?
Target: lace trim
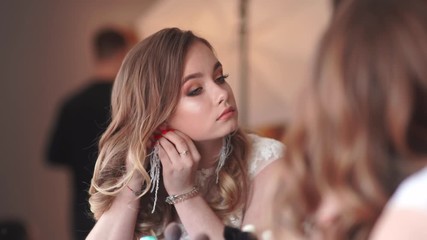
column 264, row 151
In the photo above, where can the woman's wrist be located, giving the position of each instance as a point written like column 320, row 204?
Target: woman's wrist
column 137, row 193
column 177, row 198
column 136, row 182
column 133, row 188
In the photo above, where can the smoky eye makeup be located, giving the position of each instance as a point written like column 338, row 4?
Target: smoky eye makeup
column 194, row 91
column 221, row 79
column 191, row 89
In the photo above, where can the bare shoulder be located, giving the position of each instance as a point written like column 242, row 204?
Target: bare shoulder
column 263, row 189
column 270, row 173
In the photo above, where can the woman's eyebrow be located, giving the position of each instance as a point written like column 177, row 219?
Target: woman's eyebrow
column 217, row 65
column 193, row 75
column 199, row 74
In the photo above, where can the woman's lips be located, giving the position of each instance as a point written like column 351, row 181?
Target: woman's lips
column 227, row 113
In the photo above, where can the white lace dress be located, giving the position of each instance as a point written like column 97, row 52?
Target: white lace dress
column 263, row 152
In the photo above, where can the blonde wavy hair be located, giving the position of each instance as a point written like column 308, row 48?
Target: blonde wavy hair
column 145, row 94
column 362, row 126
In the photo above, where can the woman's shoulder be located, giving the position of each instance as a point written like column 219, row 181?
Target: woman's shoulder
column 263, row 151
column 412, row 192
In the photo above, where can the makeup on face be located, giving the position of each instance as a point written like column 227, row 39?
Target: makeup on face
column 206, row 109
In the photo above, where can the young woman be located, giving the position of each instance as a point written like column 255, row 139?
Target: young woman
column 174, row 150
column 362, row 128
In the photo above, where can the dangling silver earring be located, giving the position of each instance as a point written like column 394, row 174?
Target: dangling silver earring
column 154, row 173
column 226, row 150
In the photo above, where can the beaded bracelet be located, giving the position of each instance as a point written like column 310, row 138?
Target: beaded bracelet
column 174, row 199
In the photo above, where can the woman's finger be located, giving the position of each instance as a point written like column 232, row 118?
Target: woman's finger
column 182, row 145
column 179, row 142
column 163, row 156
column 171, row 151
column 190, row 144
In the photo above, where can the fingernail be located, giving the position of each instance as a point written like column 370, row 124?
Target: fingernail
column 166, row 131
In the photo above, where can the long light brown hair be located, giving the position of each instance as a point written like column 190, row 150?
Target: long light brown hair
column 362, row 126
column 145, row 94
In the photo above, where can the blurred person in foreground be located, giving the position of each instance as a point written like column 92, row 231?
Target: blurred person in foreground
column 83, row 117
column 357, row 150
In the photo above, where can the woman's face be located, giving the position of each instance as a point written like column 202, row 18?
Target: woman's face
column 207, row 108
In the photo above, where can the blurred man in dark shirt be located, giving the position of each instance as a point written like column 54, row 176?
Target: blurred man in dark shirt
column 82, row 119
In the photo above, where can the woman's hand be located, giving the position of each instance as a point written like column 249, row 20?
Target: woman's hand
column 180, row 159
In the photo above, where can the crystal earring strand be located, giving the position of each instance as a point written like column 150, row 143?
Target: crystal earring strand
column 154, row 173
column 226, row 150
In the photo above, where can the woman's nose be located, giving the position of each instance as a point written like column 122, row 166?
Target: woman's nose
column 221, row 94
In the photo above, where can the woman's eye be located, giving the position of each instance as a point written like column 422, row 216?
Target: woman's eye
column 195, row 92
column 221, row 79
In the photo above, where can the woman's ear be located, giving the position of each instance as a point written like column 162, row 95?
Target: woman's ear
column 163, row 126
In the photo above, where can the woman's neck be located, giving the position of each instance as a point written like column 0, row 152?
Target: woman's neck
column 209, row 152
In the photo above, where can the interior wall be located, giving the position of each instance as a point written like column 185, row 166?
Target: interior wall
column 282, row 36
column 44, row 56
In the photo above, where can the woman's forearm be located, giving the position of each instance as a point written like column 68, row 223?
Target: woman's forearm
column 198, row 218
column 119, row 221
